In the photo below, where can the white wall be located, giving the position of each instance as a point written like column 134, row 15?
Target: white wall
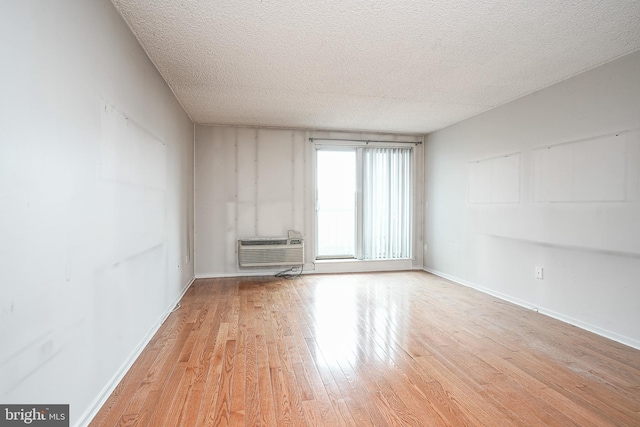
column 253, row 182
column 567, row 198
column 249, row 183
column 96, row 196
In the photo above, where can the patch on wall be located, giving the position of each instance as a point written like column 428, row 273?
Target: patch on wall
column 593, row 170
column 494, row 180
column 129, row 153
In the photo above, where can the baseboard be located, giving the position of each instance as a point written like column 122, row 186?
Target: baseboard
column 99, row 401
column 326, row 267
column 559, row 316
column 242, row 274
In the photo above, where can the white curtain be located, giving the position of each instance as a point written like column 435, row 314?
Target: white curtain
column 387, row 199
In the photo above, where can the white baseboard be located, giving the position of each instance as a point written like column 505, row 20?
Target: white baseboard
column 559, row 316
column 327, row 267
column 254, row 272
column 242, row 274
column 102, row 397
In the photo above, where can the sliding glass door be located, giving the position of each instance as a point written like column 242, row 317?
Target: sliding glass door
column 364, row 202
column 336, row 203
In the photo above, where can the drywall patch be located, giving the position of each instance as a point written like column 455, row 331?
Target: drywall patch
column 592, row 170
column 128, row 152
column 494, row 180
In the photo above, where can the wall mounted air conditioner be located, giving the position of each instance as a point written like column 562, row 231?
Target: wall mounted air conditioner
column 258, row 252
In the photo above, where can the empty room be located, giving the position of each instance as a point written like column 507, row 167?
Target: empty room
column 333, row 213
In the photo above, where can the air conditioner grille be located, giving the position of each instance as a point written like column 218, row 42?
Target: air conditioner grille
column 262, row 242
column 270, row 252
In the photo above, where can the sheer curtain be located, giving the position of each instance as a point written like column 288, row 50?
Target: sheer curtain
column 387, row 203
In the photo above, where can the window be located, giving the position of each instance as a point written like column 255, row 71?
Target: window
column 364, row 202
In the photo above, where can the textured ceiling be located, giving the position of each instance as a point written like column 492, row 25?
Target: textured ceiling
column 387, row 66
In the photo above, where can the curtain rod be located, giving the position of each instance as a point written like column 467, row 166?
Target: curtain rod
column 364, row 140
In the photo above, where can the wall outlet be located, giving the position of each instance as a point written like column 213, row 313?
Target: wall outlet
column 539, row 273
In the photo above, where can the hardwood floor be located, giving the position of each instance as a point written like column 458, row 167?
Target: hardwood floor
column 383, row 349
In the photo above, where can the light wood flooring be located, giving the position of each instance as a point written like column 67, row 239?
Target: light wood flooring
column 383, row 349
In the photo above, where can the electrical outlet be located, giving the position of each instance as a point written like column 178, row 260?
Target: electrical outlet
column 539, row 273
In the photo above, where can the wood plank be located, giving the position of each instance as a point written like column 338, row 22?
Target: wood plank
column 237, row 401
column 252, row 389
column 267, row 409
column 222, row 411
column 206, row 411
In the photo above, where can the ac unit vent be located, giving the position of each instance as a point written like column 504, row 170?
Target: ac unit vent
column 262, row 242
column 270, row 252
